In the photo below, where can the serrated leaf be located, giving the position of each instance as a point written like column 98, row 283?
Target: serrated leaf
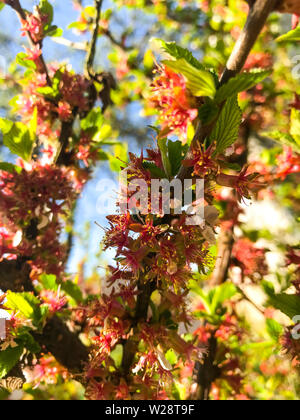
column 290, row 36
column 208, row 112
column 199, row 82
column 178, row 52
column 176, row 153
column 156, row 172
column 8, row 359
column 240, row 83
column 227, row 127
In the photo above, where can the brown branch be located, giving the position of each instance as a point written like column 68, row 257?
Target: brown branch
column 141, row 312
column 15, row 4
column 92, row 49
column 256, row 20
column 56, row 337
column 207, row 371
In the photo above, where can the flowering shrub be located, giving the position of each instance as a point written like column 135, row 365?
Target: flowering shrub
column 194, row 306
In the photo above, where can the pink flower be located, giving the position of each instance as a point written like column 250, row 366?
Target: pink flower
column 176, row 105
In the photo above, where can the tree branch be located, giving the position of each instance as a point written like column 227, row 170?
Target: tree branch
column 92, row 49
column 16, row 5
column 56, row 338
column 256, row 20
column 207, row 371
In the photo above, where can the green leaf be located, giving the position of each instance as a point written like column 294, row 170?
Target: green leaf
column 25, row 303
column 117, row 355
column 288, row 304
column 176, row 152
column 9, row 167
column 208, row 112
column 49, row 281
column 93, row 120
column 22, row 60
column 275, row 330
column 6, row 125
column 18, row 137
column 1, row 6
column 227, row 127
column 119, row 160
column 156, row 172
column 240, row 83
column 8, row 359
column 283, row 138
column 72, row 290
column 221, row 294
column 200, row 82
column 178, row 52
column 171, row 357
column 47, row 9
column 162, row 144
column 54, row 31
column 290, row 36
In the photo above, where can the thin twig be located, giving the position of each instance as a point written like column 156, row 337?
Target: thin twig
column 16, row 5
column 80, row 46
column 257, row 18
column 92, row 49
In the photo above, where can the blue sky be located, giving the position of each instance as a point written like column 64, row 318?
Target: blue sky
column 86, row 209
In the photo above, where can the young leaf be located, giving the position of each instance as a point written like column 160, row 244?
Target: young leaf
column 49, row 281
column 291, row 36
column 47, row 9
column 72, row 290
column 178, row 52
column 240, row 83
column 200, row 82
column 176, row 152
column 227, row 127
column 156, row 172
column 8, row 359
column 25, row 303
column 23, row 61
